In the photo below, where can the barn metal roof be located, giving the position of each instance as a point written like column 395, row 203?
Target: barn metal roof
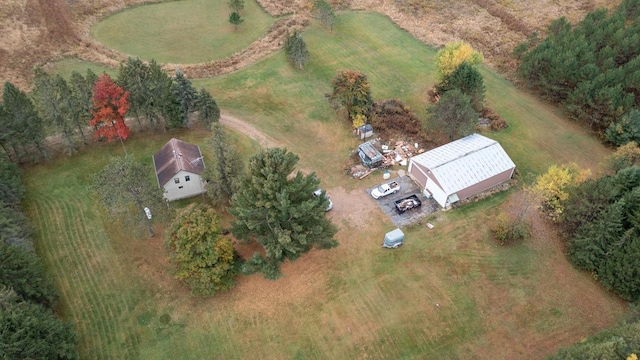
column 175, row 156
column 465, row 162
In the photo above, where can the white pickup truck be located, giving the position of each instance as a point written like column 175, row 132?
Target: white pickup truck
column 385, row 189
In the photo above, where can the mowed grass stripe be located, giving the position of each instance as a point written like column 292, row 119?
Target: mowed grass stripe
column 84, row 285
column 116, row 312
column 55, row 238
column 42, row 210
column 86, row 275
column 105, row 312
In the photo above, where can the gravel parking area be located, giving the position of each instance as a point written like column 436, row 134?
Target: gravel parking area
column 407, row 188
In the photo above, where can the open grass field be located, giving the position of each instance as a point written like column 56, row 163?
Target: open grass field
column 182, row 32
column 66, row 66
column 448, row 293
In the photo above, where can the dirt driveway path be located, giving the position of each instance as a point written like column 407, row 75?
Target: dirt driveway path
column 343, row 211
column 248, row 130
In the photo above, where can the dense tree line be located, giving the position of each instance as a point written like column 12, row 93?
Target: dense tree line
column 29, row 327
column 621, row 342
column 21, row 129
column 67, row 107
column 600, row 218
column 593, row 69
column 160, row 101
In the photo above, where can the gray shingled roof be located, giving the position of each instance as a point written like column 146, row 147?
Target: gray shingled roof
column 465, row 162
column 175, row 156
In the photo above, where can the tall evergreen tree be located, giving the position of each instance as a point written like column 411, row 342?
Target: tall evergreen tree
column 235, row 19
column 296, row 49
column 82, row 99
column 22, row 271
column 14, row 226
column 468, row 80
column 186, row 95
column 29, row 331
column 150, row 88
column 23, row 122
column 453, row 114
column 625, row 130
column 52, row 99
column 225, row 168
column 322, row 10
column 208, row 110
column 276, row 208
column 134, row 76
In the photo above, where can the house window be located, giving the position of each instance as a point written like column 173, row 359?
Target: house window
column 177, row 180
column 187, row 178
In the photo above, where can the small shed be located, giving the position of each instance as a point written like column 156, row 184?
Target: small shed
column 369, row 155
column 393, row 239
column 461, row 169
column 365, row 131
column 179, row 166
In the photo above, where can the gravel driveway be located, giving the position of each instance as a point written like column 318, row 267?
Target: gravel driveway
column 407, row 187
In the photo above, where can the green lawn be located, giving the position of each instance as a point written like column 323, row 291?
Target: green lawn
column 182, row 32
column 66, row 66
column 448, row 293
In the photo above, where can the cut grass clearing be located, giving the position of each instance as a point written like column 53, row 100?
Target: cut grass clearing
column 448, row 292
column 182, row 32
column 296, row 111
column 65, row 67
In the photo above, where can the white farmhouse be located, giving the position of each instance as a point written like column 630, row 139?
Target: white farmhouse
column 179, row 166
column 461, row 169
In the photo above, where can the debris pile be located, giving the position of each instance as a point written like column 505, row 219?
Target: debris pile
column 399, row 155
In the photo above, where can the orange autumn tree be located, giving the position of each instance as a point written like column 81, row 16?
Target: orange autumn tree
column 109, row 106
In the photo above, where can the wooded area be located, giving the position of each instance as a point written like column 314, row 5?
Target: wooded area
column 29, row 326
column 592, row 69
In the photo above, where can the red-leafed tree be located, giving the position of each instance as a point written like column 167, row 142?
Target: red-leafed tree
column 109, row 106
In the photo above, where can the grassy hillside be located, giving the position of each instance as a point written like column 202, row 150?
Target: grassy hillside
column 397, row 66
column 447, row 293
column 182, row 32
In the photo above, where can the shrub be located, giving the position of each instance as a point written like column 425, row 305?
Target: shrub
column 507, row 231
column 392, row 116
column 497, row 122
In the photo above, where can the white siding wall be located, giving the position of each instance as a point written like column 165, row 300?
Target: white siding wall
column 184, row 188
column 438, row 194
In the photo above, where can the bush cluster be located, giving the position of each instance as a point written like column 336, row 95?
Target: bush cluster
column 507, row 230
